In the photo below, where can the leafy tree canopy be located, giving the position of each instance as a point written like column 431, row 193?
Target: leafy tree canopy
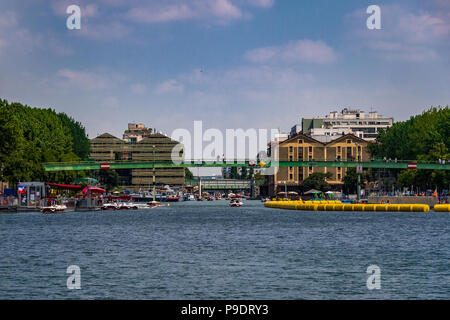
column 317, row 181
column 33, row 136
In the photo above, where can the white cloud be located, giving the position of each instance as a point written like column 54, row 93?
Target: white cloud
column 169, row 86
column 111, row 103
column 217, row 11
column 87, row 11
column 83, row 79
column 160, row 14
column 107, row 31
column 138, row 88
column 405, row 35
column 262, row 3
column 295, row 51
column 15, row 37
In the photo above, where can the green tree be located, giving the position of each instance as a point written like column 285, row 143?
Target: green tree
column 234, row 173
column 80, row 140
column 423, row 137
column 244, row 173
column 107, row 178
column 188, row 174
column 317, row 181
column 351, row 181
column 31, row 137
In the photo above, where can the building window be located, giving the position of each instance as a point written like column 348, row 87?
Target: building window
column 310, row 158
column 290, row 158
column 349, row 153
column 339, row 169
column 310, row 149
column 290, row 149
column 338, row 149
column 349, row 141
column 300, row 175
column 300, row 141
column 300, row 153
column 291, row 176
column 339, row 176
column 310, row 169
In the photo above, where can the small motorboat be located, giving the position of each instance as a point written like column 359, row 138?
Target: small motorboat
column 154, row 204
column 127, row 206
column 236, row 203
column 172, row 199
column 57, row 208
column 109, row 206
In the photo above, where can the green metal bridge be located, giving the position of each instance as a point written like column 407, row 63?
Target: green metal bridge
column 220, row 184
column 130, row 164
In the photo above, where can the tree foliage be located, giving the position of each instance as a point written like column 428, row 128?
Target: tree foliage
column 351, row 181
column 33, row 136
column 423, row 137
column 188, row 174
column 317, row 181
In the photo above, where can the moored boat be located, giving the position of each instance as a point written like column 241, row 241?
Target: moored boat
column 235, row 203
column 154, row 204
column 109, row 206
column 57, row 208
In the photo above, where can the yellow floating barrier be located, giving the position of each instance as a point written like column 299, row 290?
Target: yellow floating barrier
column 442, row 208
column 339, row 206
column 381, row 207
column 393, row 207
column 348, row 207
column 404, row 207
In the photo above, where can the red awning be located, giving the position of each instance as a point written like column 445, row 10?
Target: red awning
column 96, row 190
column 63, row 186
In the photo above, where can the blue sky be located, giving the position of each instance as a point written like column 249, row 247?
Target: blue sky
column 231, row 63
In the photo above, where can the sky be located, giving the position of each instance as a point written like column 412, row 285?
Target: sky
column 230, row 63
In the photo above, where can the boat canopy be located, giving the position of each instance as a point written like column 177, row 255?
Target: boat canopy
column 63, row 186
column 96, row 190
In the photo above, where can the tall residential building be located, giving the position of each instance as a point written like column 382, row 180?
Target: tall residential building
column 136, row 132
column 302, row 147
column 335, row 125
column 139, row 144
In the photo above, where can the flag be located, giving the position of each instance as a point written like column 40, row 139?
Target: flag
column 21, row 189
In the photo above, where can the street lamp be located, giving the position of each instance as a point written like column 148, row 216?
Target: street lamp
column 358, row 172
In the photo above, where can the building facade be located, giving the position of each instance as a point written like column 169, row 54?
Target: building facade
column 364, row 126
column 139, row 145
column 302, row 147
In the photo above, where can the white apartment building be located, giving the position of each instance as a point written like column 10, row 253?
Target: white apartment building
column 334, row 125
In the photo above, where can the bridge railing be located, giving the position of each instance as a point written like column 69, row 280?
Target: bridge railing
column 130, row 164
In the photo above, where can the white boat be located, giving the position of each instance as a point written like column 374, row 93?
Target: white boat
column 236, row 203
column 142, row 206
column 109, row 206
column 57, row 208
column 154, row 204
column 127, row 206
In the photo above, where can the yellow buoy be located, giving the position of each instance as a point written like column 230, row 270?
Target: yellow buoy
column 442, row 208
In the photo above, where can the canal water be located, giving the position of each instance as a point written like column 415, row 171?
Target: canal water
column 207, row 250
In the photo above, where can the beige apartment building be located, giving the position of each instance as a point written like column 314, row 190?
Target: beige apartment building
column 301, row 147
column 139, row 144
